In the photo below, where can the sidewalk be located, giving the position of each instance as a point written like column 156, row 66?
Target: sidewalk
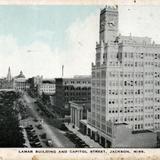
column 85, row 138
column 26, row 139
column 22, row 123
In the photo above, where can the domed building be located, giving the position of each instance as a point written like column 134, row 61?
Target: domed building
column 20, row 82
column 21, row 75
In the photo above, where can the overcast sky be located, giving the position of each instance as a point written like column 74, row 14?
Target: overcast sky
column 40, row 39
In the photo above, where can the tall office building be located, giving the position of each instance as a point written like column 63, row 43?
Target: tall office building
column 125, row 85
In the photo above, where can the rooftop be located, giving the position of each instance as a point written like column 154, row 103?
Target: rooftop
column 110, row 8
column 48, row 81
column 135, row 39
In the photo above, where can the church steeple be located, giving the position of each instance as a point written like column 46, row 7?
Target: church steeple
column 9, row 78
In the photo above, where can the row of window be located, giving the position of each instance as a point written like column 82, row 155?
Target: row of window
column 134, row 64
column 129, row 83
column 138, row 126
column 141, row 55
column 126, row 100
column 76, row 88
column 77, row 94
column 124, row 92
column 149, row 107
column 123, row 100
column 117, row 74
column 48, row 87
column 125, row 74
column 132, row 74
column 114, row 63
column 141, row 64
column 130, row 110
column 67, row 99
column 77, row 82
column 131, row 91
column 129, row 118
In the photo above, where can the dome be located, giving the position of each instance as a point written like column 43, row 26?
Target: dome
column 21, row 75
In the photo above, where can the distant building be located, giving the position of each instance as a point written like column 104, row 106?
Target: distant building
column 21, row 83
column 78, row 111
column 35, row 81
column 47, row 87
column 34, row 84
column 4, row 84
column 7, row 83
column 72, row 89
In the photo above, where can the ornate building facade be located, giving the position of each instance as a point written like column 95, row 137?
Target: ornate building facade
column 125, row 87
column 21, row 83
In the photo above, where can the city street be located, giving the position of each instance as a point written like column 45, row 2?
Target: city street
column 57, row 136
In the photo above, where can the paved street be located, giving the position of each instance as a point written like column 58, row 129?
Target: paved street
column 59, row 140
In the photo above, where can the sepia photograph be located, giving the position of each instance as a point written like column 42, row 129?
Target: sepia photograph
column 80, row 76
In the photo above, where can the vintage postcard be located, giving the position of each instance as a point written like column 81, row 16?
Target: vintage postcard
column 79, row 79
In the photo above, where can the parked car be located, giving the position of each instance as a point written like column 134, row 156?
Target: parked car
column 63, row 127
column 30, row 127
column 25, row 146
column 39, row 126
column 38, row 145
column 35, row 120
column 43, row 136
column 49, row 143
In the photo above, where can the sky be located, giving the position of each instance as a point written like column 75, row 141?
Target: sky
column 40, row 39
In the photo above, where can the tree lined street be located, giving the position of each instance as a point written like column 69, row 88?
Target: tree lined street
column 55, row 135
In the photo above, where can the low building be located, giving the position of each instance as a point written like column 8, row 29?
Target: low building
column 78, row 111
column 47, row 87
column 5, row 84
column 120, row 136
column 72, row 89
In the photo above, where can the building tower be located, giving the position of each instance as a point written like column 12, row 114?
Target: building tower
column 9, row 78
column 108, row 24
column 108, row 31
